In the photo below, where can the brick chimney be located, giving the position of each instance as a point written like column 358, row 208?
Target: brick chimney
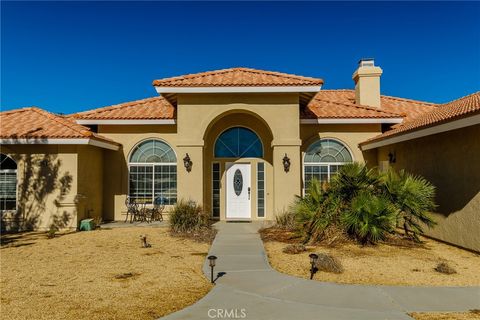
column 367, row 83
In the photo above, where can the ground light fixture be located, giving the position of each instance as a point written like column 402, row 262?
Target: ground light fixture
column 313, row 261
column 211, row 262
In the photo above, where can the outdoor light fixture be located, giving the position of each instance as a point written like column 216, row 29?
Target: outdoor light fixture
column 187, row 163
column 211, row 262
column 313, row 261
column 392, row 157
column 286, row 163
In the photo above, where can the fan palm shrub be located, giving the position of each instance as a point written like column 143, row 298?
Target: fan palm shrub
column 316, row 211
column 369, row 218
column 353, row 178
column 413, row 197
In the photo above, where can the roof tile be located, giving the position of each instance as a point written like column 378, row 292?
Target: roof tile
column 237, row 77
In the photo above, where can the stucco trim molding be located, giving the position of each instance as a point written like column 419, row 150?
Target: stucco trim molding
column 452, row 125
column 350, row 121
column 286, row 143
column 264, row 89
column 79, row 141
column 126, row 121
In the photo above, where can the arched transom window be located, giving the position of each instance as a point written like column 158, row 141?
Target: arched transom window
column 238, row 142
column 153, row 173
column 323, row 158
column 8, row 183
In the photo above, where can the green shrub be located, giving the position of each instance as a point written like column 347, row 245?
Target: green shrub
column 353, row 178
column 370, row 218
column 413, row 197
column 286, row 220
column 187, row 217
column 316, row 211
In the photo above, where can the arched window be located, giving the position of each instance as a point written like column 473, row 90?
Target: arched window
column 238, row 142
column 153, row 173
column 8, row 183
column 323, row 158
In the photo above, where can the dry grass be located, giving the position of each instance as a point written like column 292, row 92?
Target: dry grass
column 103, row 274
column 472, row 315
column 388, row 264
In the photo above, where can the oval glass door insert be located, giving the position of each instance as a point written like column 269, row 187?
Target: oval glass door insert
column 237, row 182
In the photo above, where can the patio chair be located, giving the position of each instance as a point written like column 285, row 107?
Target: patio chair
column 157, row 210
column 132, row 209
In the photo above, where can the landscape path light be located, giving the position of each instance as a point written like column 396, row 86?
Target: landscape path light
column 211, row 262
column 313, row 263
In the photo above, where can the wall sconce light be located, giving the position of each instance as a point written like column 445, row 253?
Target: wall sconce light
column 392, row 157
column 187, row 162
column 313, row 264
column 211, row 262
column 286, row 163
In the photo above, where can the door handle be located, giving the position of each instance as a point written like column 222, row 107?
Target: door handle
column 248, row 193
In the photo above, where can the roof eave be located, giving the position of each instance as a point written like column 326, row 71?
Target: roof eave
column 350, row 120
column 421, row 132
column 239, row 89
column 62, row 141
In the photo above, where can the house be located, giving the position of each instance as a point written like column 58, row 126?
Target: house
column 242, row 142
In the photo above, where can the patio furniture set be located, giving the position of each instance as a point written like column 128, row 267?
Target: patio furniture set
column 141, row 212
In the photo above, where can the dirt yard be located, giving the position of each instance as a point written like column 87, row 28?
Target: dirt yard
column 103, row 274
column 384, row 264
column 472, row 315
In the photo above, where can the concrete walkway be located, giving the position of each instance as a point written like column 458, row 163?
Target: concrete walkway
column 251, row 289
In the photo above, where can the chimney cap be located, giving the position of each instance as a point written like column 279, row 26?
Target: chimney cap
column 366, row 62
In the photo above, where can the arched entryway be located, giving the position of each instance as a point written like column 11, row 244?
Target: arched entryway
column 238, row 167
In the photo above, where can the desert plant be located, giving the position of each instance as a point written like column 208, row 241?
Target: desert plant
column 370, row 217
column 328, row 263
column 52, row 231
column 286, row 220
column 445, row 268
column 316, row 211
column 188, row 216
column 353, row 178
column 294, row 248
column 413, row 197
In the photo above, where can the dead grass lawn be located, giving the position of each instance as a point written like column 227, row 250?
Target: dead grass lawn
column 384, row 264
column 103, row 274
column 472, row 315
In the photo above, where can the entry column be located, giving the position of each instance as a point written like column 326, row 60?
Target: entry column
column 286, row 184
column 190, row 183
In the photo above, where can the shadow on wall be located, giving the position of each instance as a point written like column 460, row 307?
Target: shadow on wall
column 39, row 180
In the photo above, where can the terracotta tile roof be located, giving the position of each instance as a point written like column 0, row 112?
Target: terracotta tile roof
column 450, row 111
column 328, row 106
column 150, row 108
column 341, row 104
column 35, row 123
column 237, row 77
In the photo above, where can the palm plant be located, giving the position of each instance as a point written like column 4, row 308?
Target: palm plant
column 413, row 197
column 353, row 178
column 316, row 211
column 370, row 217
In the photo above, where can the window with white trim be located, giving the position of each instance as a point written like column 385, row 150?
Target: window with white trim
column 8, row 183
column 323, row 159
column 153, row 173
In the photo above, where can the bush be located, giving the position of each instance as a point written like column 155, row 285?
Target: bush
column 294, row 248
column 328, row 263
column 370, row 218
column 285, row 220
column 445, row 268
column 188, row 217
column 413, row 197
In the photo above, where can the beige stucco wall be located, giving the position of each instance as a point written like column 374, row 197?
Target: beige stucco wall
column 451, row 161
column 90, row 182
column 47, row 178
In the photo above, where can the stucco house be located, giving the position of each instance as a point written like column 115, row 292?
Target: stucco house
column 242, row 142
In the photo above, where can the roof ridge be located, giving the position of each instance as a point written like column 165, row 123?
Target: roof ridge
column 379, row 110
column 461, row 98
column 227, row 70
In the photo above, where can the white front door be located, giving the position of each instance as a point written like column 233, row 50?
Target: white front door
column 238, row 191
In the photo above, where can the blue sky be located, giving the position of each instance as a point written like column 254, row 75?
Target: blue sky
column 67, row 57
